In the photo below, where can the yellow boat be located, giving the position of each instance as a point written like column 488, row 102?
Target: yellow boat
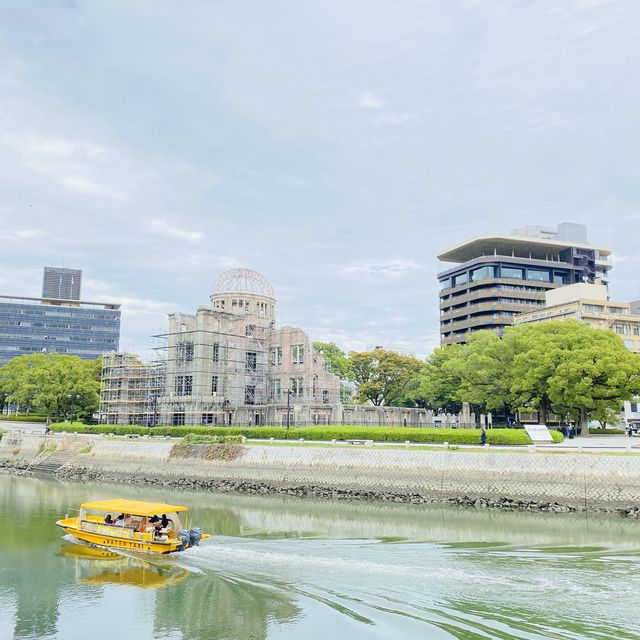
column 134, row 525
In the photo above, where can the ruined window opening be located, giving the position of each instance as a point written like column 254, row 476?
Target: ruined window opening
column 296, row 387
column 178, row 419
column 184, row 385
column 216, row 352
column 251, row 362
column 250, row 394
column 297, row 354
column 276, row 356
column 214, row 385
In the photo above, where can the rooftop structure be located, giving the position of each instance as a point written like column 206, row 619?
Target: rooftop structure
column 498, row 276
column 59, row 283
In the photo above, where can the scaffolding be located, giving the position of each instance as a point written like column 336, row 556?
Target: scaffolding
column 130, row 391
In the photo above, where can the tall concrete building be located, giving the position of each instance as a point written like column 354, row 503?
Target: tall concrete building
column 56, row 322
column 61, row 284
column 497, row 277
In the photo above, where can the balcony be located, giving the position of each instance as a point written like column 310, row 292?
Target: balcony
column 498, row 305
column 479, row 322
column 493, row 281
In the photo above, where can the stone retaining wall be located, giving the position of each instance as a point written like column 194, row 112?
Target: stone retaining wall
column 509, row 479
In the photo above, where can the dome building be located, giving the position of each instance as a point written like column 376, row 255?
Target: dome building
column 229, row 364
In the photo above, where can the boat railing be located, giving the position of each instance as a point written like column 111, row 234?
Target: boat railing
column 107, row 529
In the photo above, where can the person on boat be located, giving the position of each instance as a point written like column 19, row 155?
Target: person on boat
column 165, row 521
column 154, row 519
column 120, row 520
column 108, row 519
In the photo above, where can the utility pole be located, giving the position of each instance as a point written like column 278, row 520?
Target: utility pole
column 288, row 392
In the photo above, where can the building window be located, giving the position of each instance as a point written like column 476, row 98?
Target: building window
column 276, row 356
column 250, row 394
column 184, row 352
column 617, row 311
column 483, row 273
column 511, row 272
column 538, row 275
column 622, row 329
column 209, row 418
column 214, row 385
column 297, row 354
column 296, row 387
column 276, row 388
column 178, row 419
column 460, row 279
column 250, row 330
column 594, row 308
column 444, row 284
column 560, row 278
column 251, row 361
column 216, row 352
column 184, row 385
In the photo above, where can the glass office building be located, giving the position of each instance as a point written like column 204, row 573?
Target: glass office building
column 42, row 325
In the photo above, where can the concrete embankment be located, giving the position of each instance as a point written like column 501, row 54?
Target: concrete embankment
column 493, row 478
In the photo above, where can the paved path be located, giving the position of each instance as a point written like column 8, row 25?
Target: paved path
column 37, row 427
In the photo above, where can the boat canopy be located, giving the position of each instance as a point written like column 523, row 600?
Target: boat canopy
column 133, row 507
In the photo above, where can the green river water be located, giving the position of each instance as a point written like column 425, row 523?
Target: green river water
column 290, row 568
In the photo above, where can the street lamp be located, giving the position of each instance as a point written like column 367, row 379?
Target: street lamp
column 289, row 393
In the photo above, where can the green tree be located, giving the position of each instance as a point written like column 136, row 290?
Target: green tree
column 571, row 369
column 437, row 385
column 335, row 359
column 336, row 362
column 483, row 366
column 60, row 386
column 382, row 377
column 17, row 382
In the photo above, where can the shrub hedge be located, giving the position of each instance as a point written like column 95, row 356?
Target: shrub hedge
column 379, row 434
column 597, row 431
column 22, row 418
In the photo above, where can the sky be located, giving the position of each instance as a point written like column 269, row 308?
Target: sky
column 336, row 147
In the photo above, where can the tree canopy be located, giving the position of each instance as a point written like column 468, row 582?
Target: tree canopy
column 564, row 367
column 56, row 385
column 383, row 377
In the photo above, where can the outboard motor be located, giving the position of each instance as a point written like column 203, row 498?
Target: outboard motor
column 185, row 536
column 195, row 535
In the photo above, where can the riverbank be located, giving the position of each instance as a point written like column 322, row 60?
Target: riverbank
column 531, row 480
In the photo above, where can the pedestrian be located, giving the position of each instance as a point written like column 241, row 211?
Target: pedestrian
column 483, row 437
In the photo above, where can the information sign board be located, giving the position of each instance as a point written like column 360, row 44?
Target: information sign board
column 538, row 432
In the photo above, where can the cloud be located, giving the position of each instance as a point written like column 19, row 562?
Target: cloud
column 82, row 184
column 373, row 268
column 164, row 228
column 75, row 164
column 19, row 235
column 394, row 119
column 369, row 100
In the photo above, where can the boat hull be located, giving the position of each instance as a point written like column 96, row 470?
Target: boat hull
column 107, row 541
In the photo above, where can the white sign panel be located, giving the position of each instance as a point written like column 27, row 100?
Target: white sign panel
column 538, row 432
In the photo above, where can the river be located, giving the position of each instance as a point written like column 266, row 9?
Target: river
column 290, row 568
